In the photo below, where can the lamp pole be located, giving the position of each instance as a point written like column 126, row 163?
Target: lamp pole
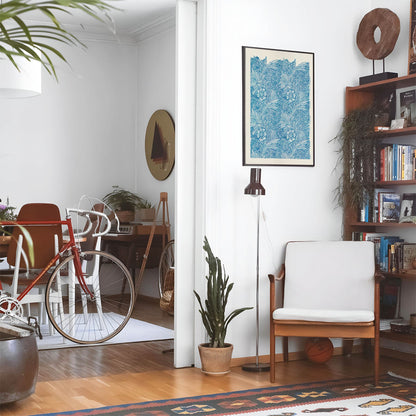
column 256, row 189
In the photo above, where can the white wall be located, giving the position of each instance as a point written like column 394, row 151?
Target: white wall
column 156, row 91
column 78, row 136
column 92, row 121
column 299, row 200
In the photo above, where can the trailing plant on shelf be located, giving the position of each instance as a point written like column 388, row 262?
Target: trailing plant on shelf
column 213, row 310
column 37, row 41
column 357, row 155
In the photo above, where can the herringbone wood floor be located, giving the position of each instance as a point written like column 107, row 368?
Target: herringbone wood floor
column 79, row 378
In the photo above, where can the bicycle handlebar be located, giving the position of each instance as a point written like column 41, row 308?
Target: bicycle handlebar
column 87, row 214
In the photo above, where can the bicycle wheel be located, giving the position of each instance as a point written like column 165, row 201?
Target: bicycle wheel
column 166, row 263
column 84, row 319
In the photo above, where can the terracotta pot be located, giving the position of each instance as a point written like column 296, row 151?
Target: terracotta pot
column 215, row 361
column 125, row 216
column 146, row 214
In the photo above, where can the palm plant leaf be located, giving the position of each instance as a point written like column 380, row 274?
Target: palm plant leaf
column 18, row 38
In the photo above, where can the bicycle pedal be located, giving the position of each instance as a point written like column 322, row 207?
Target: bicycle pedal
column 35, row 325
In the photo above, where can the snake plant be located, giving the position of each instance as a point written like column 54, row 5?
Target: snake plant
column 34, row 41
column 218, row 289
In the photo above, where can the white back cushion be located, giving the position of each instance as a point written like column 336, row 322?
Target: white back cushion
column 335, row 275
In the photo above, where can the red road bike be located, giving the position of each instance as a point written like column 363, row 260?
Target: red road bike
column 89, row 295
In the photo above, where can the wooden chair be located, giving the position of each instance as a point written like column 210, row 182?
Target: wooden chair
column 46, row 241
column 330, row 289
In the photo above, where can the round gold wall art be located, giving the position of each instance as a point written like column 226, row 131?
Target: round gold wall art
column 389, row 25
column 160, row 144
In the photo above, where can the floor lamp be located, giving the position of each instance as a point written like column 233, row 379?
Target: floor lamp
column 256, row 189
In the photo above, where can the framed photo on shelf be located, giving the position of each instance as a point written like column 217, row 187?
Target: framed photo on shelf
column 406, row 105
column 412, row 38
column 278, row 107
column 408, row 208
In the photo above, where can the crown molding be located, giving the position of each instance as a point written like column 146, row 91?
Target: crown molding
column 108, row 33
column 158, row 26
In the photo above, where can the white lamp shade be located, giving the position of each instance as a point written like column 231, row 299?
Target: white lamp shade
column 20, row 84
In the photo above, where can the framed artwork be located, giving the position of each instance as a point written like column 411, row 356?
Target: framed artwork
column 278, row 107
column 160, row 144
column 412, row 38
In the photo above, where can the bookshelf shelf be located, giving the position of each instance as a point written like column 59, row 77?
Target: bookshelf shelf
column 408, row 338
column 402, row 275
column 382, row 184
column 383, row 224
column 408, row 131
column 361, row 97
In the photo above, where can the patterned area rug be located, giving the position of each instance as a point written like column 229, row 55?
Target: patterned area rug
column 350, row 397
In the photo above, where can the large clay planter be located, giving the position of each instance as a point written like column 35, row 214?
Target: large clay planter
column 19, row 363
column 215, row 361
column 146, row 214
column 125, row 216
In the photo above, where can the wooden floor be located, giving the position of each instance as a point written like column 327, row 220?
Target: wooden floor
column 88, row 377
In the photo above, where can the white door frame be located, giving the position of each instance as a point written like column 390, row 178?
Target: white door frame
column 197, row 118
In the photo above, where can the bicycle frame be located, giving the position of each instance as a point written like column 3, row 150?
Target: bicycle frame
column 70, row 245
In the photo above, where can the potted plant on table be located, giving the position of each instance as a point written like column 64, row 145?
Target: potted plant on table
column 123, row 202
column 145, row 211
column 216, row 354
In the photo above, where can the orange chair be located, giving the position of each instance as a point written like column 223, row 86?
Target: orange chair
column 330, row 290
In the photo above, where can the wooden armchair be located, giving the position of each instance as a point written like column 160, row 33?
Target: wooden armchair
column 330, row 289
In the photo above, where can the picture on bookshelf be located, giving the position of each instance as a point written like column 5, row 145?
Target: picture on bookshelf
column 408, row 256
column 389, row 204
column 408, row 107
column 408, row 208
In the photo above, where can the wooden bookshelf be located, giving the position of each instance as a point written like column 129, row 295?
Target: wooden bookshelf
column 361, row 97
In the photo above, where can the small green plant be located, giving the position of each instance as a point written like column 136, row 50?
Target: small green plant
column 144, row 204
column 121, row 200
column 218, row 289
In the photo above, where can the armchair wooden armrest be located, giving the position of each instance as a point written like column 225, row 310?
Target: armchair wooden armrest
column 378, row 275
column 273, row 278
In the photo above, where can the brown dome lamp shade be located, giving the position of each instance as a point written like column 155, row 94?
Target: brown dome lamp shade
column 255, row 187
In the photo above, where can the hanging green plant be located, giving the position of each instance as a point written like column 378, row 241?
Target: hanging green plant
column 358, row 157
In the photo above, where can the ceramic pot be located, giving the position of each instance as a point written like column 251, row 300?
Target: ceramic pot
column 125, row 216
column 215, row 361
column 19, row 364
column 146, row 214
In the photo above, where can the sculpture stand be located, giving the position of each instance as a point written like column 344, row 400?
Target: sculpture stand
column 381, row 76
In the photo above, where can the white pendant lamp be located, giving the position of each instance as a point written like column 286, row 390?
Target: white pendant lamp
column 22, row 83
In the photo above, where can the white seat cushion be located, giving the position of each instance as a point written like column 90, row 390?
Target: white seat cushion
column 323, row 315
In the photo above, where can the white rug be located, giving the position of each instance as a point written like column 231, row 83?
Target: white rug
column 134, row 331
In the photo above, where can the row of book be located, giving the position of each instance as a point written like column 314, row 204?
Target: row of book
column 392, row 253
column 389, row 206
column 397, row 162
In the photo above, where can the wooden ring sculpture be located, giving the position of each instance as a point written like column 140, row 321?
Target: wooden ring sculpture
column 389, row 25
